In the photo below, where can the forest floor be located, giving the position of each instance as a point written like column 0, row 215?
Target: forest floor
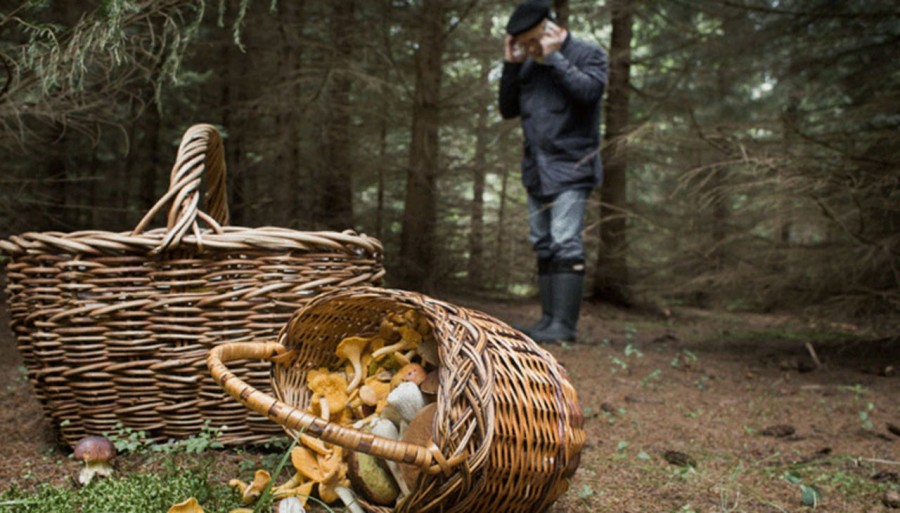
column 693, row 411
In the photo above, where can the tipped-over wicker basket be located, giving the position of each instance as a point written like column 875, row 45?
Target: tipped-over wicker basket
column 115, row 327
column 508, row 429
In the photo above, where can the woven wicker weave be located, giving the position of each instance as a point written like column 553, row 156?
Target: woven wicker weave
column 115, row 327
column 508, row 430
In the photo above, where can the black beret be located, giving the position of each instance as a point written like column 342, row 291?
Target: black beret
column 526, row 16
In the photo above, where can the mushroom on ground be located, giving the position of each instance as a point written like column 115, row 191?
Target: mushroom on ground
column 290, row 505
column 251, row 492
column 351, row 349
column 349, row 499
column 96, row 452
column 189, row 506
column 334, row 475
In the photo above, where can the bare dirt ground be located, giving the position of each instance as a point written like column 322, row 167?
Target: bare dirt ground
column 695, row 411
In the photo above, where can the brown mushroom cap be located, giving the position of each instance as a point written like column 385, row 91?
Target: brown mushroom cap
column 411, row 372
column 94, row 448
column 431, row 383
column 420, row 432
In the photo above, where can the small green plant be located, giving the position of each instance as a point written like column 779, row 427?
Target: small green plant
column 630, row 350
column 618, row 364
column 684, row 358
column 809, row 494
column 134, row 493
column 654, row 377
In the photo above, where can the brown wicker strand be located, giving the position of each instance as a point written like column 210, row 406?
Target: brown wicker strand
column 507, row 415
column 114, row 328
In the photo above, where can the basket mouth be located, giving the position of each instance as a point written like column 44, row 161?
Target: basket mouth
column 315, row 331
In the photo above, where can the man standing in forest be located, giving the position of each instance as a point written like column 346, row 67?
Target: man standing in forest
column 554, row 82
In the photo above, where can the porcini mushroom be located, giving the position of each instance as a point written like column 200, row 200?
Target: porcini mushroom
column 371, row 479
column 251, row 492
column 351, row 349
column 349, row 499
column 419, row 432
column 290, row 505
column 387, row 429
column 406, row 400
column 96, row 452
column 431, row 383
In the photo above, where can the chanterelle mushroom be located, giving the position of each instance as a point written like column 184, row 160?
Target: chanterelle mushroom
column 96, row 452
column 189, row 506
column 351, row 349
column 409, row 339
column 251, row 492
column 329, row 391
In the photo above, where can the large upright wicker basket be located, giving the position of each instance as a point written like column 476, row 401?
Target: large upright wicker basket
column 115, row 327
column 508, row 429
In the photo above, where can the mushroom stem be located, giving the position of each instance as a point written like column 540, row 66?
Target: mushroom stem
column 326, row 411
column 349, row 499
column 385, row 428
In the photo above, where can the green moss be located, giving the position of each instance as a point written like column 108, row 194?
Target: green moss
column 135, row 493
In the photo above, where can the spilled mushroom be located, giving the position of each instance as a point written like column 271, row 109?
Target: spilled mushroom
column 97, row 453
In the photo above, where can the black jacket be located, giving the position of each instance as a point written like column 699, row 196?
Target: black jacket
column 559, row 102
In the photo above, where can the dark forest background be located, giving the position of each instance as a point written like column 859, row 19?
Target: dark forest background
column 752, row 146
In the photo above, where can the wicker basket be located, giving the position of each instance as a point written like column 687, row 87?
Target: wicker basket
column 115, row 327
column 508, row 430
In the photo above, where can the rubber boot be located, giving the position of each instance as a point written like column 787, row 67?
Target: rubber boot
column 567, row 281
column 545, row 292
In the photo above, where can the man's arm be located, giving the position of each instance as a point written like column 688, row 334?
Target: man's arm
column 509, row 90
column 584, row 84
column 513, row 58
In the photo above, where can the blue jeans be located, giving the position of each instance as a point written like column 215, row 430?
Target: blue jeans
column 556, row 224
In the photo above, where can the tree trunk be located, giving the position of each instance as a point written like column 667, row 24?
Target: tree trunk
column 336, row 212
column 232, row 96
column 501, row 256
column 611, row 282
column 419, row 215
column 479, row 162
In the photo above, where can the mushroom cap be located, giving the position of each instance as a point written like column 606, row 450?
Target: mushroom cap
column 370, row 477
column 93, row 448
column 411, row 372
column 431, row 383
column 420, row 432
column 189, row 506
column 330, row 385
column 351, row 346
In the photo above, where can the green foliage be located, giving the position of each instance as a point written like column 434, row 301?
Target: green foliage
column 128, row 440
column 135, row 493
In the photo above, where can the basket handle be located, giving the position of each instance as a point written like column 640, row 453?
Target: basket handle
column 201, row 150
column 429, row 459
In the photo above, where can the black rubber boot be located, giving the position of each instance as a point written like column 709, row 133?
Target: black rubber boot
column 567, row 280
column 545, row 291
